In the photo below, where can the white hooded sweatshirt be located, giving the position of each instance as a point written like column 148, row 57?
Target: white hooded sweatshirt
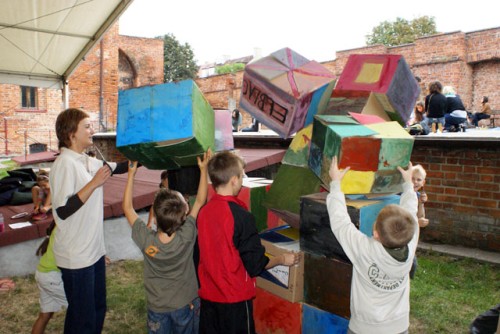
column 380, row 287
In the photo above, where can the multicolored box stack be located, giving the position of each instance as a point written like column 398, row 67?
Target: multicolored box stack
column 361, row 126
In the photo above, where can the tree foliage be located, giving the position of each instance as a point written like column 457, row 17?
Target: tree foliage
column 229, row 68
column 178, row 62
column 401, row 31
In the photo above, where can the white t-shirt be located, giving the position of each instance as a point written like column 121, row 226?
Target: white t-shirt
column 79, row 241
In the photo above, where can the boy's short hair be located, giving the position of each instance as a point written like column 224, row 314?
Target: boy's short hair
column 67, row 125
column 223, row 166
column 170, row 210
column 395, row 226
column 419, row 169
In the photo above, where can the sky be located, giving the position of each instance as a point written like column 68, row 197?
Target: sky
column 218, row 30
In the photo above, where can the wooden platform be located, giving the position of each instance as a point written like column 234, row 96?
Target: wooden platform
column 35, row 158
column 145, row 187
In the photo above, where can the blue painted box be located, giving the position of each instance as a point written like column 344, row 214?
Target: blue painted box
column 316, row 321
column 164, row 126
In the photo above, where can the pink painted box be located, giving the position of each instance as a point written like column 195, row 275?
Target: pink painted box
column 376, row 84
column 285, row 90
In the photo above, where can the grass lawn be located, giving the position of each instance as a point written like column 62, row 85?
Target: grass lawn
column 446, row 295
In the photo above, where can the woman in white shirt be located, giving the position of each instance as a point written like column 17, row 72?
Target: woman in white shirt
column 76, row 182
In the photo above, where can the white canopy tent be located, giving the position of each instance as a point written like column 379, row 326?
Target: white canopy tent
column 43, row 41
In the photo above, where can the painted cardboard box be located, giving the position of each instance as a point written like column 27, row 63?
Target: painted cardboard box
column 297, row 153
column 378, row 84
column 316, row 236
column 372, row 151
column 327, row 284
column 164, row 126
column 285, row 90
column 252, row 193
column 273, row 314
column 223, row 130
column 283, row 281
column 290, row 183
column 316, row 321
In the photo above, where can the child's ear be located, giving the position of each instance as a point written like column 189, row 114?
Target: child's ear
column 233, row 180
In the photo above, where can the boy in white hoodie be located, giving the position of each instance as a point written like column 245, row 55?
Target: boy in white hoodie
column 380, row 287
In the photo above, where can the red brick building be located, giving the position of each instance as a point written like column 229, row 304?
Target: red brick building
column 470, row 62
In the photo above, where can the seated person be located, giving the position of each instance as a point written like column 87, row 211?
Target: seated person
column 40, row 193
column 456, row 116
column 255, row 127
column 484, row 114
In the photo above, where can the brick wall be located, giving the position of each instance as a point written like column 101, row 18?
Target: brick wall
column 467, row 61
column 463, row 186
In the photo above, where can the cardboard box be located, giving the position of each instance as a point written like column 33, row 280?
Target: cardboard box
column 164, row 126
column 316, row 236
column 252, row 193
column 376, row 84
column 290, row 183
column 223, row 130
column 372, row 151
column 316, row 321
column 285, row 90
column 273, row 314
column 327, row 284
column 285, row 282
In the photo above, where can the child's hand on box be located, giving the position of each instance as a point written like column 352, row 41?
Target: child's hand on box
column 290, row 259
column 335, row 173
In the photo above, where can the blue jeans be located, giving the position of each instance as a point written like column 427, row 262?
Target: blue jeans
column 185, row 320
column 479, row 116
column 85, row 290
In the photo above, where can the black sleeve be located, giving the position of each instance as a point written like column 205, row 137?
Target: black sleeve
column 121, row 168
column 246, row 239
column 72, row 205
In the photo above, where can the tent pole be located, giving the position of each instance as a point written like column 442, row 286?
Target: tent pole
column 65, row 93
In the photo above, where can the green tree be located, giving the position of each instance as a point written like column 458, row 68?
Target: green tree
column 229, row 68
column 401, row 31
column 178, row 62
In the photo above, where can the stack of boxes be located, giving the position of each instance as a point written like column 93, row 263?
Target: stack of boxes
column 360, row 125
column 357, row 119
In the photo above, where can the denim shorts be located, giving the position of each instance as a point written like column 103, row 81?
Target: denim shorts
column 431, row 120
column 184, row 320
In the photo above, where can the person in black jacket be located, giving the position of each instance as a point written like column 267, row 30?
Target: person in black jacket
column 435, row 106
column 456, row 116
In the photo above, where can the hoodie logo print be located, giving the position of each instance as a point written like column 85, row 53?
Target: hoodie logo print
column 381, row 280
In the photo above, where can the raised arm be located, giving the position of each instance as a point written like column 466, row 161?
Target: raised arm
column 201, row 196
column 127, row 205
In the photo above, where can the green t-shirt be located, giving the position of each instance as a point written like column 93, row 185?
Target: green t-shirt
column 169, row 273
column 47, row 261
